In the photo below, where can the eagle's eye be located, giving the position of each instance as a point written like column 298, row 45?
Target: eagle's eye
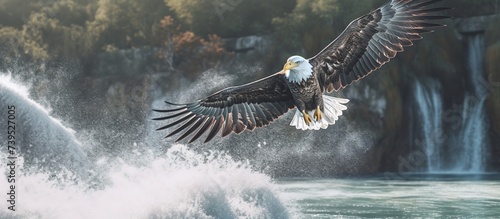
column 297, row 62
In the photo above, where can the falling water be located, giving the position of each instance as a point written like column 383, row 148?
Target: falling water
column 430, row 107
column 473, row 139
column 460, row 149
column 473, row 136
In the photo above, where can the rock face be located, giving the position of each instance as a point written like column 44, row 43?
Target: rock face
column 382, row 130
column 138, row 61
column 258, row 44
column 493, row 69
column 411, row 141
column 493, row 73
column 473, row 24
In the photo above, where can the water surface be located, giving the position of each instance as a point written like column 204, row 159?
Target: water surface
column 420, row 197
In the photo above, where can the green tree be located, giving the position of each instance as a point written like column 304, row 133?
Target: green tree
column 313, row 24
column 9, row 42
column 58, row 30
column 193, row 53
column 229, row 18
column 126, row 23
column 13, row 13
column 79, row 28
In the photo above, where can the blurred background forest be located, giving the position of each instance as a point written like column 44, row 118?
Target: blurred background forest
column 101, row 63
column 192, row 30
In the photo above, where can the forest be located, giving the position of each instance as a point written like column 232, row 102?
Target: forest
column 51, row 29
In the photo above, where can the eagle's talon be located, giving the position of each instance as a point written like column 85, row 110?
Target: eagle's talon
column 307, row 118
column 317, row 114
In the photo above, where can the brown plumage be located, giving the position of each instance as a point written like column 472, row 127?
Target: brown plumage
column 372, row 40
column 367, row 43
column 233, row 109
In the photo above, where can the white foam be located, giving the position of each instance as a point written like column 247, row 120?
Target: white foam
column 182, row 184
column 7, row 83
column 43, row 140
column 178, row 184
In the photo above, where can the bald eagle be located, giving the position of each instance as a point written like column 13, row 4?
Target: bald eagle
column 365, row 45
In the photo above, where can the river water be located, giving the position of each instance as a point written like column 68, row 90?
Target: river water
column 419, row 197
column 60, row 176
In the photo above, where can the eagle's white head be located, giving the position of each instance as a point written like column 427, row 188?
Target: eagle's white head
column 297, row 69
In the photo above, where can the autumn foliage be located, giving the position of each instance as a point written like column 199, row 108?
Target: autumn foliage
column 188, row 32
column 187, row 52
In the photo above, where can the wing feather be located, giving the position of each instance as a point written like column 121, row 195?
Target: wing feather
column 215, row 128
column 176, row 122
column 373, row 40
column 233, row 109
column 196, row 126
column 257, row 115
column 185, row 125
column 203, row 129
column 243, row 113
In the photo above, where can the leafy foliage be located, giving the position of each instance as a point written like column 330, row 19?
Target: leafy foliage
column 53, row 29
column 229, row 18
column 313, row 24
column 45, row 30
column 120, row 24
column 80, row 28
column 186, row 51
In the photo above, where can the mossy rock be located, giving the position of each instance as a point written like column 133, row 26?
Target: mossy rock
column 493, row 72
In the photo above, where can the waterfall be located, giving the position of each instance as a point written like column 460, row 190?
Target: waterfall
column 449, row 148
column 473, row 139
column 473, row 136
column 429, row 104
column 476, row 50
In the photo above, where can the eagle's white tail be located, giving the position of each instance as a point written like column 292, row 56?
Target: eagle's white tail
column 332, row 110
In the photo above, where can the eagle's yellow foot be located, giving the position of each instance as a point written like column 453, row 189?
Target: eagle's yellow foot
column 317, row 114
column 307, row 118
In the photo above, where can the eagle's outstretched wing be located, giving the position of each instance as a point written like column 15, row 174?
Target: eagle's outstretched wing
column 372, row 40
column 233, row 109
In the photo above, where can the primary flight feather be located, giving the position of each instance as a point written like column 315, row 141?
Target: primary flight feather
column 365, row 45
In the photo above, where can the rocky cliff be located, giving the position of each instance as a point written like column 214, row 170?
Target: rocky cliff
column 388, row 126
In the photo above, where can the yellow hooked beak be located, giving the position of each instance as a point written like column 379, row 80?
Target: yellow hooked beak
column 289, row 65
